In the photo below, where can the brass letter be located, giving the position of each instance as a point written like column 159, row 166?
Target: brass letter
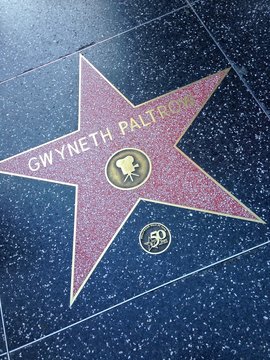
column 108, row 133
column 150, row 112
column 162, row 110
column 123, row 125
column 94, row 137
column 134, row 124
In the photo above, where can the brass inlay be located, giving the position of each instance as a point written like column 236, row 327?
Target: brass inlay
column 256, row 219
column 155, row 238
column 128, row 168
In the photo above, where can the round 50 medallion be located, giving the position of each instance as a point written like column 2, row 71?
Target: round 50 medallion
column 155, row 238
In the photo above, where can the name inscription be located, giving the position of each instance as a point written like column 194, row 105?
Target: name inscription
column 95, row 139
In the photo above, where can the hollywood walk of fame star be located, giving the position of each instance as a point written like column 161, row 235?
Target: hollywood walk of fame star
column 108, row 122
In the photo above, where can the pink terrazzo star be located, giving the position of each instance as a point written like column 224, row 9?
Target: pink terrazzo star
column 109, row 122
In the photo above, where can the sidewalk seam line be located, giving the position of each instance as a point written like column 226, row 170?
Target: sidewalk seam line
column 4, row 330
column 142, row 294
column 231, row 62
column 78, row 51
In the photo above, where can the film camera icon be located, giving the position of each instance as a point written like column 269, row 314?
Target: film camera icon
column 127, row 167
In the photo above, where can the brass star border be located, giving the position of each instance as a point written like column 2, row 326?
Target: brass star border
column 112, row 122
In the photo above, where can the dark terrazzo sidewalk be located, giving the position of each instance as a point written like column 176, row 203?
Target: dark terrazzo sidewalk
column 145, row 49
column 217, row 314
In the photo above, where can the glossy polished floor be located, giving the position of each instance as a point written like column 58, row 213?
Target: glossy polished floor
column 135, row 185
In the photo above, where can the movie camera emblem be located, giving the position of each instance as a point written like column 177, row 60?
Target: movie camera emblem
column 155, row 238
column 128, row 169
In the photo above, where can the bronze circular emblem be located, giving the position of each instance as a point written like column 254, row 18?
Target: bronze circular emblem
column 128, row 169
column 155, row 238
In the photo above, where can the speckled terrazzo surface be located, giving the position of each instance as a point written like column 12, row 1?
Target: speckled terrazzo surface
column 207, row 296
column 2, row 341
column 242, row 28
column 203, row 317
column 31, row 35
